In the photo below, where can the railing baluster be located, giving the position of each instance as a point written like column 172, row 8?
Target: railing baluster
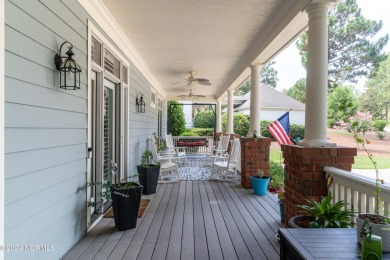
column 355, row 201
column 362, row 204
column 347, row 197
column 336, row 192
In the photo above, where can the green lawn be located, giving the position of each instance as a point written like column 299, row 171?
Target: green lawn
column 361, row 162
column 275, row 155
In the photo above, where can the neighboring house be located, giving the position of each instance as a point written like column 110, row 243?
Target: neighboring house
column 187, row 110
column 272, row 108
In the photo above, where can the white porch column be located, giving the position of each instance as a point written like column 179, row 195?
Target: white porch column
column 218, row 125
column 317, row 76
column 255, row 100
column 230, row 112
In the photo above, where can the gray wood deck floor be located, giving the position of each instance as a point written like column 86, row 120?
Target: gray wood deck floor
column 191, row 220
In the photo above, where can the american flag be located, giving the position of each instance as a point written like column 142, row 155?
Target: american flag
column 280, row 129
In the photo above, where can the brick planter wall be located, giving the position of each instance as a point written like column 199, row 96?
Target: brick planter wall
column 254, row 156
column 304, row 173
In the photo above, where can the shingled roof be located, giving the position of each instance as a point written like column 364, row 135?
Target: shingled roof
column 272, row 98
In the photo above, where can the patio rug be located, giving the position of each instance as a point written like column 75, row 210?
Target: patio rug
column 142, row 208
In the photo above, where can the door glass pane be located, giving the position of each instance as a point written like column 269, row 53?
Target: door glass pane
column 96, row 51
column 108, row 110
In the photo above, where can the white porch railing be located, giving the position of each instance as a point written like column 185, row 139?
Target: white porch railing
column 195, row 149
column 358, row 191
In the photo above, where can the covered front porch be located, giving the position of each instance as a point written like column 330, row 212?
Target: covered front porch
column 191, row 220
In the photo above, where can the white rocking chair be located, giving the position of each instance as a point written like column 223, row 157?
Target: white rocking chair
column 168, row 167
column 178, row 152
column 220, row 150
column 225, row 168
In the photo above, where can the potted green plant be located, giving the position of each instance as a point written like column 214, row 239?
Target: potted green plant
column 260, row 183
column 125, row 197
column 323, row 214
column 148, row 173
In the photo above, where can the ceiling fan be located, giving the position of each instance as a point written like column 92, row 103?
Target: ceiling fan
column 192, row 80
column 191, row 95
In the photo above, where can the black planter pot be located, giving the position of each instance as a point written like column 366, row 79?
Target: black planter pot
column 281, row 206
column 293, row 222
column 125, row 206
column 148, row 177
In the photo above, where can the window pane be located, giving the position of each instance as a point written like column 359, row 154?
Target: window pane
column 111, row 64
column 96, row 51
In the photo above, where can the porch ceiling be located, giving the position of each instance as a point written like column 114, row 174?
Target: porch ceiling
column 217, row 40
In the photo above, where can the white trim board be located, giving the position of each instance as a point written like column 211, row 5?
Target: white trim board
column 2, row 176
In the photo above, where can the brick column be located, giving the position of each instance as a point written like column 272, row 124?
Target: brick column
column 254, row 156
column 304, row 173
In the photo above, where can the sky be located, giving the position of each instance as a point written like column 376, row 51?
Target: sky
column 288, row 62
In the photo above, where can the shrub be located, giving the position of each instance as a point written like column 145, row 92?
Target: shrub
column 203, row 131
column 263, row 128
column 240, row 124
column 204, row 119
column 297, row 131
column 176, row 122
column 331, row 122
column 380, row 135
column 188, row 134
column 379, row 125
column 276, row 172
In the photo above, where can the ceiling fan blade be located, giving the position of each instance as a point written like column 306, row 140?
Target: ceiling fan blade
column 183, row 96
column 199, row 96
column 201, row 80
column 205, row 83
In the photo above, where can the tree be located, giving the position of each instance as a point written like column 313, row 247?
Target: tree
column 176, row 121
column 298, row 91
column 342, row 104
column 241, row 91
column 204, row 119
column 376, row 99
column 268, row 75
column 240, row 123
column 353, row 51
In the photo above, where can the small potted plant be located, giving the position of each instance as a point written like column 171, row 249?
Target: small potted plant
column 148, row 173
column 260, row 183
column 323, row 214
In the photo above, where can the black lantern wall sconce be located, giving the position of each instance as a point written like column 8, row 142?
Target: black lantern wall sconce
column 139, row 101
column 69, row 70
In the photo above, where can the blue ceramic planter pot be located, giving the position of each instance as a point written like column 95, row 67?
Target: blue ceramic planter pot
column 259, row 185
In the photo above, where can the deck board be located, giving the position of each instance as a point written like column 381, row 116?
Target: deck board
column 191, row 220
column 199, row 224
column 223, row 234
column 161, row 248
